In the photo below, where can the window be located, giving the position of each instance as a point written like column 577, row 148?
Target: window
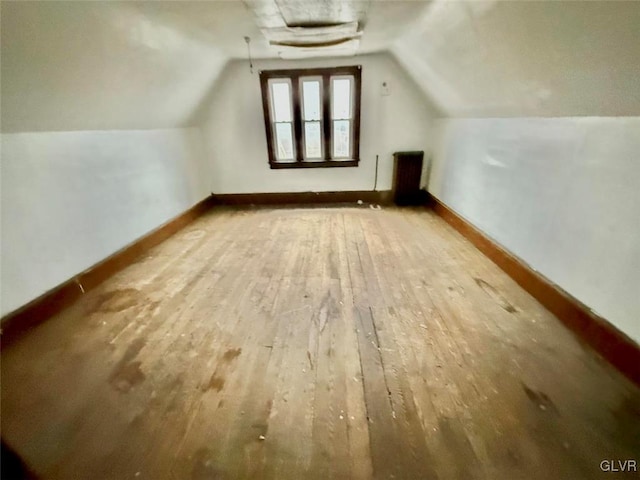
column 312, row 116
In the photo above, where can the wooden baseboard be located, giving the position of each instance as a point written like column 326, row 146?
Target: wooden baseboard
column 613, row 344
column 64, row 295
column 303, row 198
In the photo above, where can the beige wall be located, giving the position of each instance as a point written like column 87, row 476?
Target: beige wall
column 235, row 139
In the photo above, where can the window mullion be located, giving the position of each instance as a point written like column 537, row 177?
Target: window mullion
column 297, row 118
column 326, row 115
column 355, row 114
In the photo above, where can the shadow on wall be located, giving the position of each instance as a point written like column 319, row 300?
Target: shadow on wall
column 200, row 113
column 12, row 467
column 432, row 102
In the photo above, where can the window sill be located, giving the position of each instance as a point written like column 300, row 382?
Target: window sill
column 325, row 164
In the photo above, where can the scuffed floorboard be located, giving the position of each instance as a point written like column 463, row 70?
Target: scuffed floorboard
column 313, row 343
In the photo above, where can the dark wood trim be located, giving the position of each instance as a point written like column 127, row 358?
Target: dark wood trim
column 314, row 164
column 303, row 198
column 42, row 308
column 614, row 345
column 297, row 120
column 326, row 116
column 294, row 75
column 264, row 87
column 356, row 113
column 310, row 72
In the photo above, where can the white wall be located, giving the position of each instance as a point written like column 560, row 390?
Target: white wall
column 563, row 194
column 235, row 139
column 70, row 199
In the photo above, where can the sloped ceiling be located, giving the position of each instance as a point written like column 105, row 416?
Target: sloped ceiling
column 520, row 58
column 140, row 65
column 100, row 66
column 96, row 65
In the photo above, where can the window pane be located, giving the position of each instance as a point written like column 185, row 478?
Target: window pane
column 341, row 139
column 284, row 141
column 311, row 97
column 281, row 102
column 312, row 140
column 341, row 98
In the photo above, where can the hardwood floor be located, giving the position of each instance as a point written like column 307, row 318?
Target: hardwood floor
column 313, row 343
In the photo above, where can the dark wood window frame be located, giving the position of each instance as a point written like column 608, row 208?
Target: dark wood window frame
column 294, row 76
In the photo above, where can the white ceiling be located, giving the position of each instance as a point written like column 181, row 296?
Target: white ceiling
column 226, row 23
column 125, row 65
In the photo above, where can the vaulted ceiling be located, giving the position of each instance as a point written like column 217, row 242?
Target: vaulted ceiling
column 521, row 58
column 129, row 65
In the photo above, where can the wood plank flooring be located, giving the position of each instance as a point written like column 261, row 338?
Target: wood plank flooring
column 314, row 343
